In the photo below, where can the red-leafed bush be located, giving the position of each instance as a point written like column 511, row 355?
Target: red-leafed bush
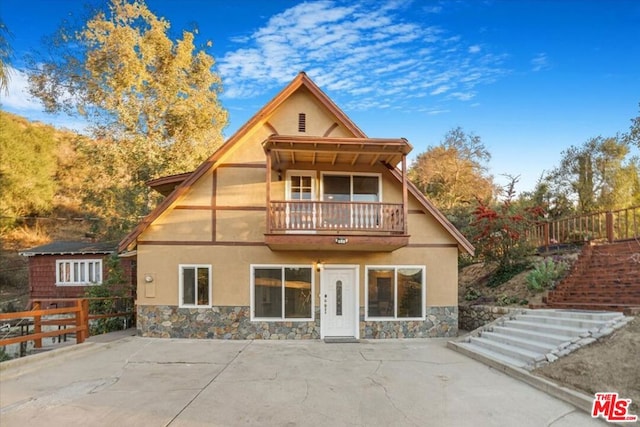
column 499, row 233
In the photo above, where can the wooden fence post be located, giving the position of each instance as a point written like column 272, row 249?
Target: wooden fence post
column 82, row 320
column 609, row 220
column 37, row 325
column 545, row 228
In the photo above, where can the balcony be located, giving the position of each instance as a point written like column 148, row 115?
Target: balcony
column 319, row 225
column 346, row 215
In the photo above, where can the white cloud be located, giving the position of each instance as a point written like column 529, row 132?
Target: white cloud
column 540, row 62
column 474, row 49
column 18, row 97
column 370, row 53
column 20, row 102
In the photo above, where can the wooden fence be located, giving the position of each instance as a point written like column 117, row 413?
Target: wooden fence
column 73, row 318
column 610, row 226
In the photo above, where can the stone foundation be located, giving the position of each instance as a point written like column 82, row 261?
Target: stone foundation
column 475, row 316
column 165, row 321
column 440, row 322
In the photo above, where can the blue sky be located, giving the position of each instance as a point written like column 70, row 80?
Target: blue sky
column 531, row 78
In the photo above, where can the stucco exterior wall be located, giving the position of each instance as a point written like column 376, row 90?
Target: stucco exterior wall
column 221, row 222
column 231, row 269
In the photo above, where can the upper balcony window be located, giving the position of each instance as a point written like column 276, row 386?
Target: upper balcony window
column 302, row 122
column 350, row 188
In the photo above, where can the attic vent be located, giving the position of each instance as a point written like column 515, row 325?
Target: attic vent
column 302, row 122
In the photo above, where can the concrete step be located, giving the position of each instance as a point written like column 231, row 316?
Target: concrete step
column 578, row 314
column 531, row 335
column 566, row 331
column 473, row 351
column 562, row 321
column 540, row 347
column 507, row 350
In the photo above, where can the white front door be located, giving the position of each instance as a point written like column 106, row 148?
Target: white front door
column 339, row 301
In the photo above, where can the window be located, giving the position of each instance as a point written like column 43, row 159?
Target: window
column 395, row 292
column 350, row 188
column 195, row 285
column 282, row 292
column 340, row 191
column 78, row 272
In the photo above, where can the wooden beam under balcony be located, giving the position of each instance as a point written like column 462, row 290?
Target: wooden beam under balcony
column 336, row 242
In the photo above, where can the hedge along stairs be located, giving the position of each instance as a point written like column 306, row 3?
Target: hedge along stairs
column 605, row 277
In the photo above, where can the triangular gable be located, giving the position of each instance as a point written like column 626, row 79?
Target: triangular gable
column 301, row 80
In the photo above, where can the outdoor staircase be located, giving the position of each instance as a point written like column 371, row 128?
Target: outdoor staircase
column 530, row 338
column 605, row 277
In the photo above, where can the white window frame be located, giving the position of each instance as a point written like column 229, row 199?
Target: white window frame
column 395, row 269
column 252, row 269
column 181, row 303
column 83, row 270
column 295, row 172
column 351, row 174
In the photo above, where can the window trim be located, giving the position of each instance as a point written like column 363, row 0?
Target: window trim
column 253, row 267
column 395, row 269
column 86, row 261
column 301, row 172
column 181, row 303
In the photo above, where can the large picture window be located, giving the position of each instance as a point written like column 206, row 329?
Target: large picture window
column 396, row 292
column 282, row 292
column 78, row 272
column 195, row 285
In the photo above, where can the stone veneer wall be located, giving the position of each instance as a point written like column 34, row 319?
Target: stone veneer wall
column 475, row 316
column 165, row 321
column 440, row 322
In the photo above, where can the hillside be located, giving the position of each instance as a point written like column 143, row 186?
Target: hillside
column 41, row 176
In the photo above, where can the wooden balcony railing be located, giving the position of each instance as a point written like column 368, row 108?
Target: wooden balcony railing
column 620, row 224
column 308, row 216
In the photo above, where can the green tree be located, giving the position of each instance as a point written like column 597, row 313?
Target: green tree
column 633, row 136
column 152, row 102
column 455, row 172
column 598, row 175
column 27, row 167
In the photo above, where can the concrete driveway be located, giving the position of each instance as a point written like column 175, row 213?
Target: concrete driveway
column 138, row 381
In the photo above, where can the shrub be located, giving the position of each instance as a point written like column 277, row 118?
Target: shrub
column 545, row 274
column 107, row 301
column 504, row 273
column 472, row 294
column 504, row 299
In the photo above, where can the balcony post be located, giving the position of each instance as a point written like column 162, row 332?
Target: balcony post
column 268, row 189
column 405, row 204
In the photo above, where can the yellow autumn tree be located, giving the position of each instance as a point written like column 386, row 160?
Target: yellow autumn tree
column 454, row 172
column 152, row 102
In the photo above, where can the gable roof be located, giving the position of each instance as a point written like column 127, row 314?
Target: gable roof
column 71, row 248
column 301, row 80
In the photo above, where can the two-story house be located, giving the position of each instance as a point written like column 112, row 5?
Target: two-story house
column 299, row 226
